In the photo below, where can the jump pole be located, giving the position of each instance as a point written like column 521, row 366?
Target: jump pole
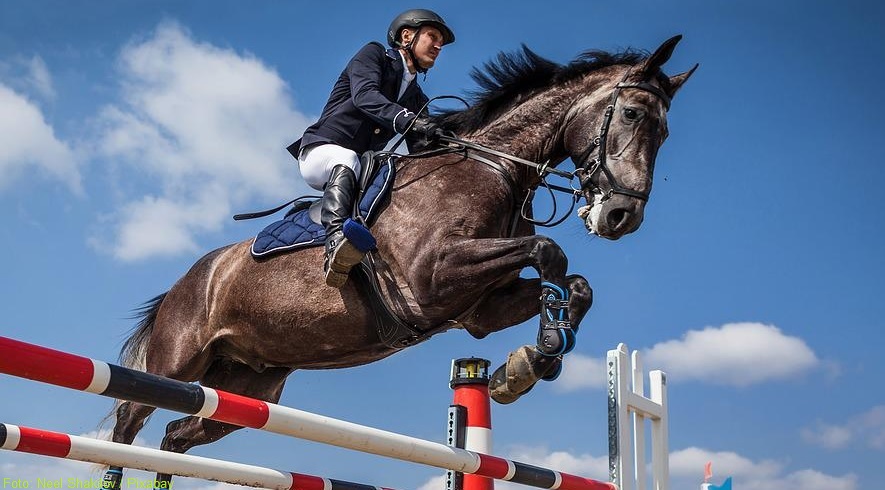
column 56, row 444
column 82, row 373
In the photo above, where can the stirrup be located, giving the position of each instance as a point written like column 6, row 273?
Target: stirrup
column 338, row 260
column 556, row 335
column 345, row 249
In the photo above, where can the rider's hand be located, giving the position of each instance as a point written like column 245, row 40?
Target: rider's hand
column 426, row 128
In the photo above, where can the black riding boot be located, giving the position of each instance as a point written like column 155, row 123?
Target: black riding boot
column 338, row 197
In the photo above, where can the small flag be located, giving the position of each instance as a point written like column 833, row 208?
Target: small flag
column 726, row 485
column 708, row 471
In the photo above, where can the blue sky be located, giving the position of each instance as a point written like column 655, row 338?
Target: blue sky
column 130, row 131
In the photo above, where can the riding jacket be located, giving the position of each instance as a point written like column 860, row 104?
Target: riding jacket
column 363, row 112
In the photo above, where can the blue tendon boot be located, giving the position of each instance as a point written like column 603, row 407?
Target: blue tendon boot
column 555, row 336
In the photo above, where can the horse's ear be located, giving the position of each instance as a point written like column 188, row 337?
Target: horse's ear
column 676, row 81
column 654, row 62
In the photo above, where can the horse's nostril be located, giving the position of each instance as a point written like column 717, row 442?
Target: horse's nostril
column 617, row 218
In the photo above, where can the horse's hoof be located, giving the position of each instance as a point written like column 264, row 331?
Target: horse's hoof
column 498, row 389
column 553, row 371
column 524, row 367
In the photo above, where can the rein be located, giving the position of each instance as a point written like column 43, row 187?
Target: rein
column 478, row 152
column 584, row 171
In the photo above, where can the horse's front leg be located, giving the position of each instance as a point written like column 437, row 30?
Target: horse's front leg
column 473, row 264
column 511, row 305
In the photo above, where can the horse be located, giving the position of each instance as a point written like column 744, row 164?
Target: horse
column 451, row 243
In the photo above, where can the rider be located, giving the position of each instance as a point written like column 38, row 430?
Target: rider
column 375, row 98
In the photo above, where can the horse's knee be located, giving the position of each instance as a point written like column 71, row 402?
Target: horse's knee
column 478, row 331
column 130, row 419
column 188, row 432
column 580, row 290
column 549, row 257
column 178, row 435
column 580, row 299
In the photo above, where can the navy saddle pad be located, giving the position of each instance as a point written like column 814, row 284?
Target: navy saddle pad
column 297, row 230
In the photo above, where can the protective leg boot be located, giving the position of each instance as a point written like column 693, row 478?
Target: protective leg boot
column 337, row 206
column 556, row 335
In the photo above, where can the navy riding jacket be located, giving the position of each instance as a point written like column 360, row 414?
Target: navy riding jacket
column 363, row 112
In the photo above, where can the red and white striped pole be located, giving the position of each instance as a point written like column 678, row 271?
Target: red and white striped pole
column 470, row 382
column 81, row 373
column 59, row 445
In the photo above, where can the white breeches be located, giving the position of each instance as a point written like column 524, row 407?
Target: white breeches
column 316, row 163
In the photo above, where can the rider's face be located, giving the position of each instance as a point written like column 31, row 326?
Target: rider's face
column 427, row 45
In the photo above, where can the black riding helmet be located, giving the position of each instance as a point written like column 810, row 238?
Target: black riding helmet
column 418, row 18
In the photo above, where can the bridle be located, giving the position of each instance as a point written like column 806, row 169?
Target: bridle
column 585, row 169
column 588, row 168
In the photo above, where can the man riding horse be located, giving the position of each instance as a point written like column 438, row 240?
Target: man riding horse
column 243, row 324
column 376, row 97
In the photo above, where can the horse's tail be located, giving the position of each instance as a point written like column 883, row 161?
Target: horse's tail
column 132, row 355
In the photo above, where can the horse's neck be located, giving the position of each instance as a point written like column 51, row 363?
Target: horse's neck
column 532, row 130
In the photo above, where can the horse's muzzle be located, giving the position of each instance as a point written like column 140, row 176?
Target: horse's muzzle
column 614, row 217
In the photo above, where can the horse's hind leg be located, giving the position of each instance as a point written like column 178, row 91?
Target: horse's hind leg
column 130, row 419
column 234, row 377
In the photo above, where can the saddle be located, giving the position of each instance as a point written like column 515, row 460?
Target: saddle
column 301, row 228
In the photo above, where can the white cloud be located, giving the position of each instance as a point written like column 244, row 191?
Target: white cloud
column 828, row 436
column 38, row 77
column 435, row 483
column 158, row 226
column 28, row 142
column 581, row 372
column 867, row 427
column 737, row 354
column 29, row 76
column 690, row 463
column 208, row 127
column 686, row 470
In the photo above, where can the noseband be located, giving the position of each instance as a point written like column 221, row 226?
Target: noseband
column 588, row 168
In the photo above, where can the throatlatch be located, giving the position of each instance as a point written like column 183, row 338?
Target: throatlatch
column 556, row 335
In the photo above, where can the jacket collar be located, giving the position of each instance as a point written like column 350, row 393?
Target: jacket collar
column 399, row 68
column 397, row 60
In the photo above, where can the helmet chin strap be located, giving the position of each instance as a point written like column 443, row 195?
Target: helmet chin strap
column 410, row 51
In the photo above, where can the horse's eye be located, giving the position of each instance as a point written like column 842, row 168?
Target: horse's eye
column 631, row 114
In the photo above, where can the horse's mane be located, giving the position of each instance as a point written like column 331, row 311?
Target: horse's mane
column 512, row 76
